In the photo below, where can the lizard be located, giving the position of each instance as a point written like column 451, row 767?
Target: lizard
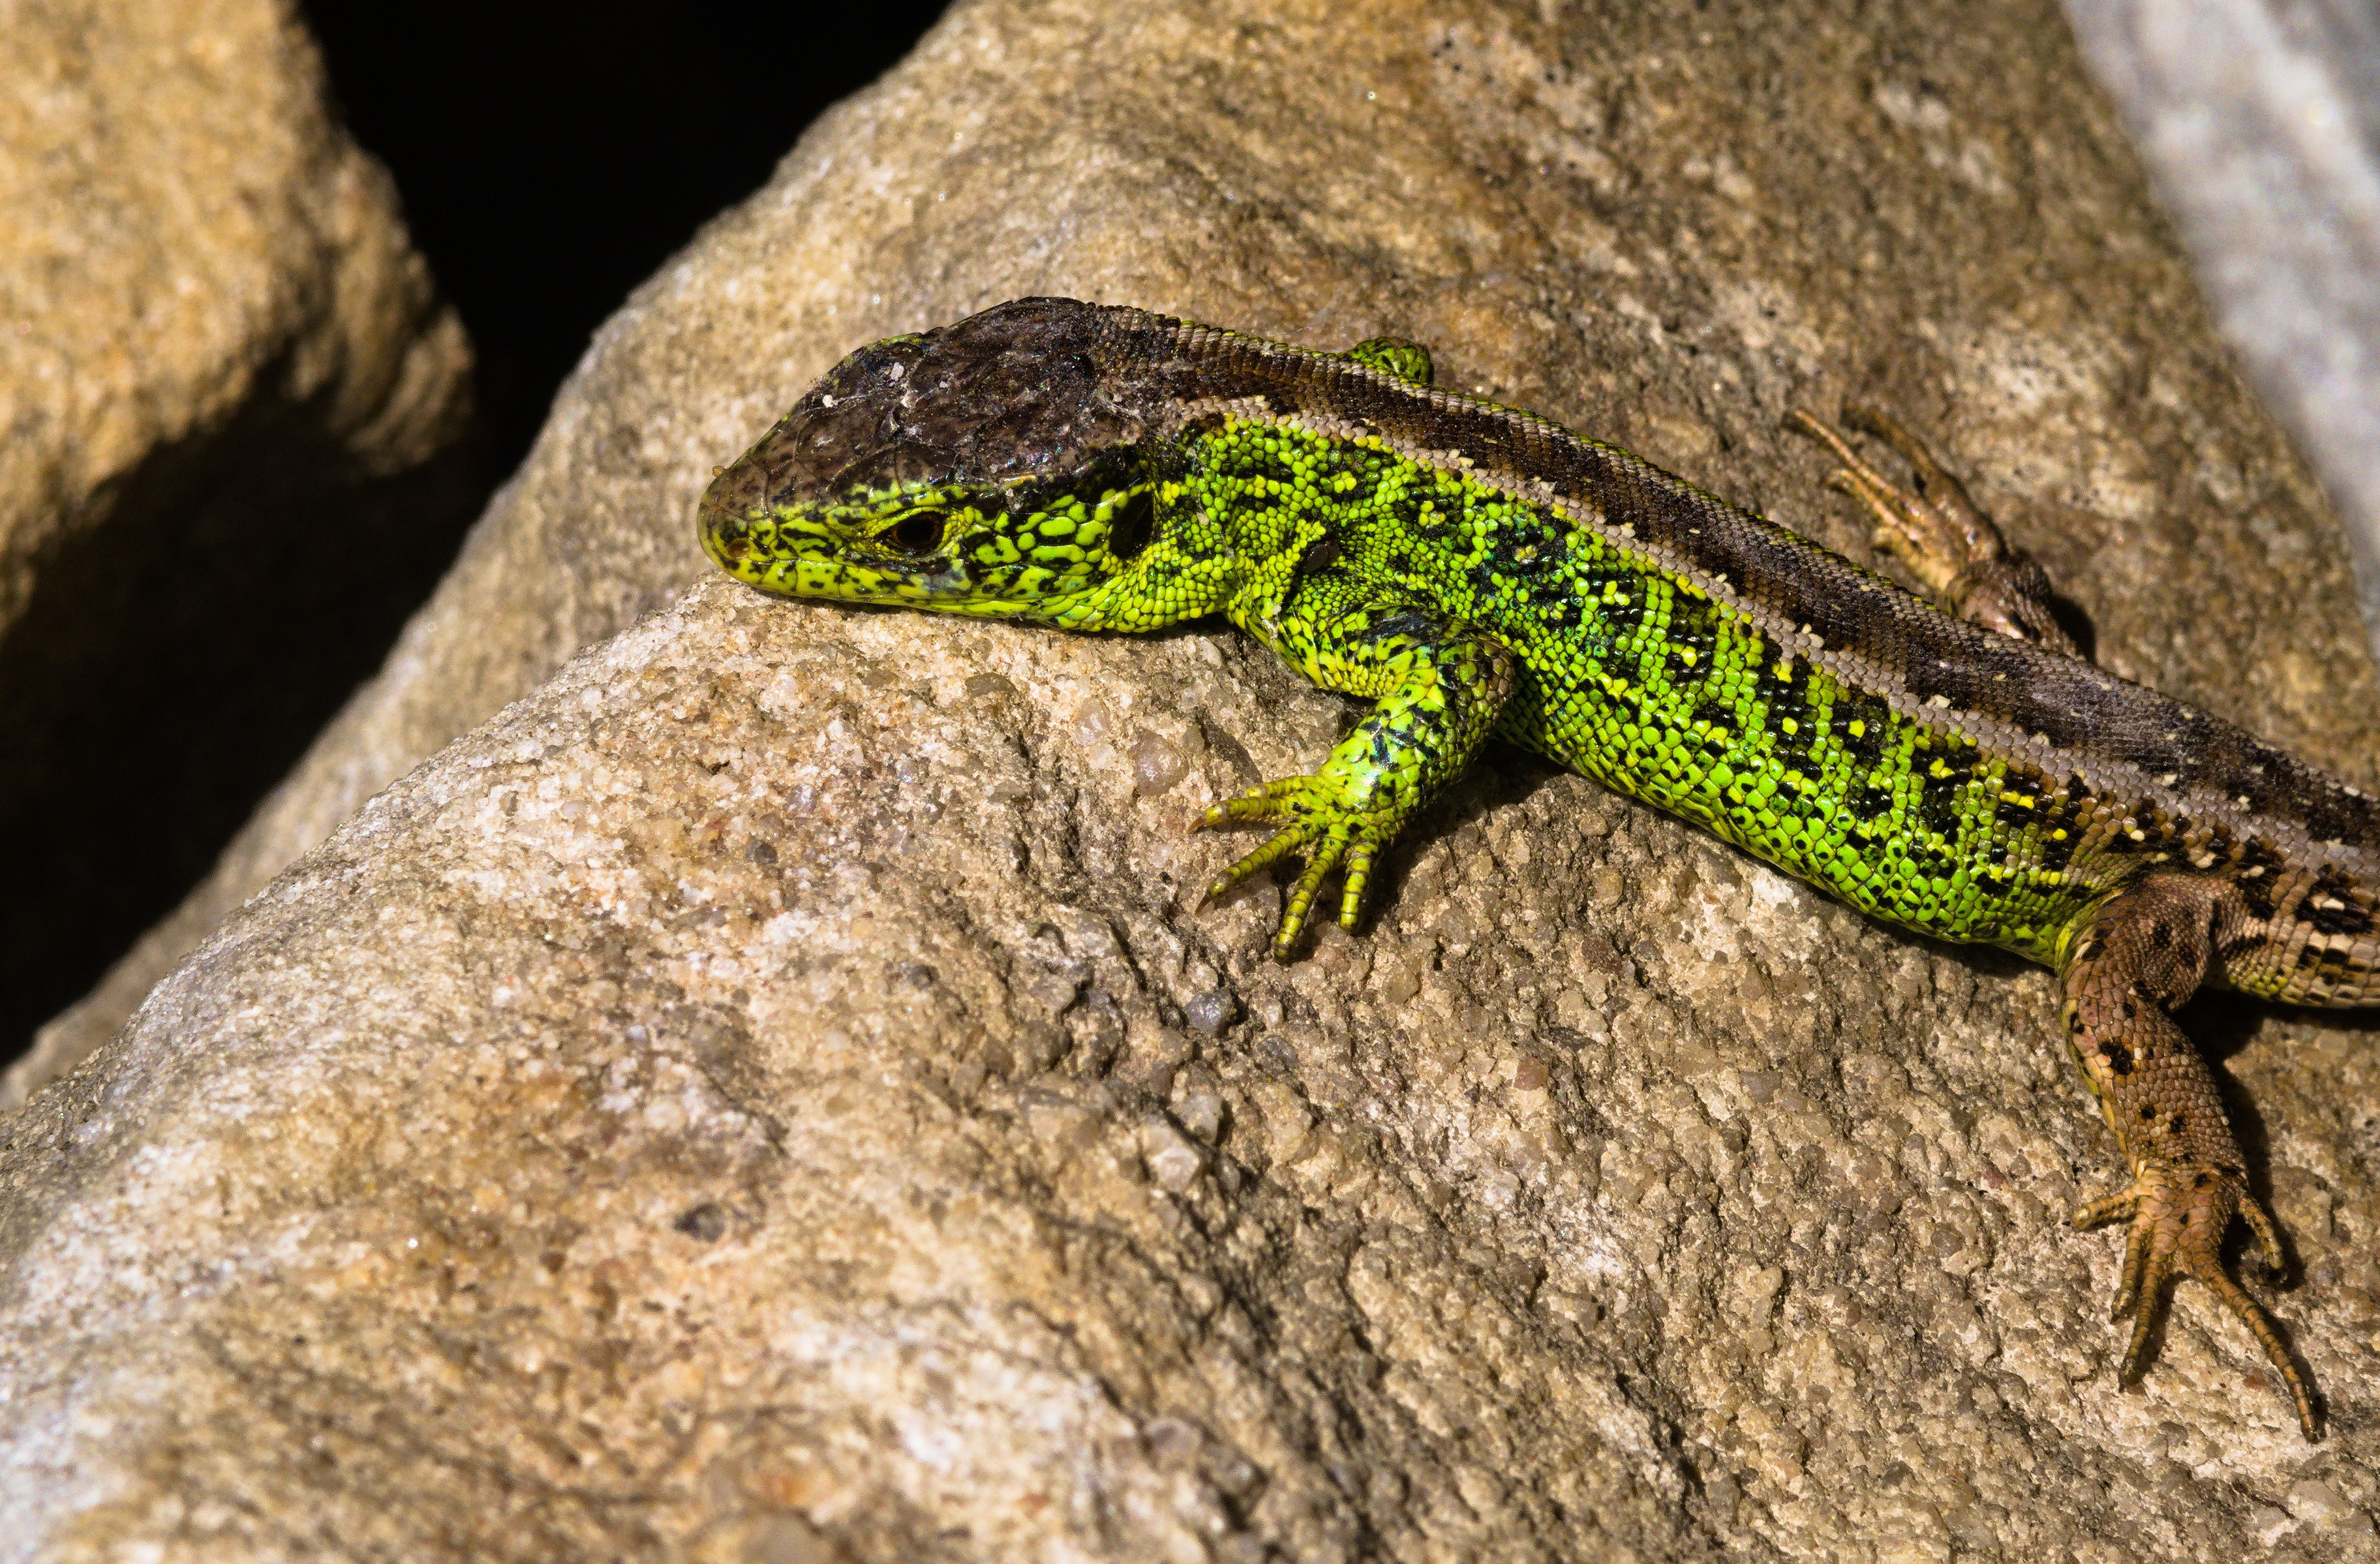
column 1947, row 763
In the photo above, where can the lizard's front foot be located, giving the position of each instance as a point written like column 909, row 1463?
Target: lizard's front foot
column 2178, row 1214
column 1318, row 821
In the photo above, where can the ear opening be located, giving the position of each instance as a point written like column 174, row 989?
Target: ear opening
column 1129, row 532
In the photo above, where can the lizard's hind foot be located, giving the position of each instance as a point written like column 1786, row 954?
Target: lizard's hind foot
column 2178, row 1214
column 1936, row 530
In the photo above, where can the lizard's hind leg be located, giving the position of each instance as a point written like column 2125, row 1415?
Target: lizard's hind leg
column 1936, row 530
column 2137, row 957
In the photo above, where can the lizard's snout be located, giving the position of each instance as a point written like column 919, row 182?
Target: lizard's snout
column 723, row 521
column 722, row 531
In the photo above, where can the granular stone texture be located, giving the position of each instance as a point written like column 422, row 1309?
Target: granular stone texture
column 1663, row 225
column 235, row 414
column 767, row 1096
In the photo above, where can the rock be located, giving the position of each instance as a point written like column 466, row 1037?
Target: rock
column 236, row 411
column 749, row 1095
column 766, row 1095
column 1663, row 229
column 2260, row 120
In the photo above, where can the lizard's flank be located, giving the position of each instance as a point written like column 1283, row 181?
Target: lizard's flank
column 1475, row 570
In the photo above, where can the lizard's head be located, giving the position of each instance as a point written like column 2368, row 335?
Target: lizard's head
column 980, row 469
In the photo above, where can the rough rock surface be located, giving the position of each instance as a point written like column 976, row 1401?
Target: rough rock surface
column 2260, row 120
column 234, row 406
column 1661, row 227
column 766, row 1095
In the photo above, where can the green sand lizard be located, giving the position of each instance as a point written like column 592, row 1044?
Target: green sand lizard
column 1475, row 570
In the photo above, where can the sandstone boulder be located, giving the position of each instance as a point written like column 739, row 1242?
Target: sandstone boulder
column 767, row 1096
column 2260, row 122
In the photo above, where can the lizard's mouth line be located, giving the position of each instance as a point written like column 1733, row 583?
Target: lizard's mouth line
column 880, row 579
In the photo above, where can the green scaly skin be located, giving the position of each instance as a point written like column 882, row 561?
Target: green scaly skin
column 1474, row 570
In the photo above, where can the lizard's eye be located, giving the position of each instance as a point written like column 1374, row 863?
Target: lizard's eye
column 920, row 532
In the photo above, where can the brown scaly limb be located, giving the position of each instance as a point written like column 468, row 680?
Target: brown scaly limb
column 1938, row 531
column 2142, row 955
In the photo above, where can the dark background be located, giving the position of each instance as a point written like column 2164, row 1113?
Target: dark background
column 549, row 160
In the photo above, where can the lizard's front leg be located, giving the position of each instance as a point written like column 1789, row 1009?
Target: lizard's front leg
column 1439, row 684
column 2138, row 956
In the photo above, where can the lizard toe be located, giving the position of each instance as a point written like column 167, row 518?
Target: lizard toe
column 1325, row 857
column 2178, row 1215
column 1264, row 857
column 1331, row 836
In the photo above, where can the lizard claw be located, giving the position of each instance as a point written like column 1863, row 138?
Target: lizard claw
column 2179, row 1214
column 1330, row 834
